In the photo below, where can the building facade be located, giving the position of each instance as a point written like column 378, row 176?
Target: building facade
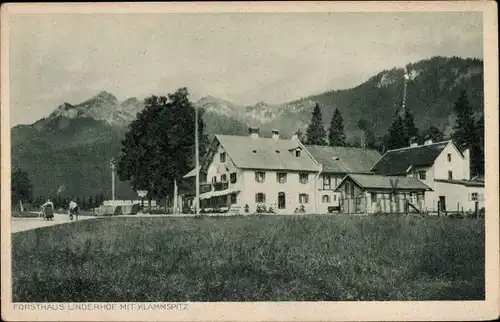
column 368, row 193
column 336, row 163
column 443, row 167
column 253, row 174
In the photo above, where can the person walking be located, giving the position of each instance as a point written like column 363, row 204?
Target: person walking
column 48, row 210
column 73, row 209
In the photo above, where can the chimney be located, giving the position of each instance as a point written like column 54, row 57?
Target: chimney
column 413, row 142
column 254, row 132
column 362, row 139
column 276, row 134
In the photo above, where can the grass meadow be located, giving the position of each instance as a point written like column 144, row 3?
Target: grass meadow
column 251, row 258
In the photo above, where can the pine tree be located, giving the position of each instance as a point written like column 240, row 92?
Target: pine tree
column 465, row 128
column 316, row 134
column 477, row 153
column 336, row 135
column 467, row 133
column 397, row 137
column 410, row 130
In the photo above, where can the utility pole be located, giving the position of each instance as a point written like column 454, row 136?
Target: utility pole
column 113, row 167
column 196, row 143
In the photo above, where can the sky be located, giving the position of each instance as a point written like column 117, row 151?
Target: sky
column 241, row 57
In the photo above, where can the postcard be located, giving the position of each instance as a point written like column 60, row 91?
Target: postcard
column 250, row 161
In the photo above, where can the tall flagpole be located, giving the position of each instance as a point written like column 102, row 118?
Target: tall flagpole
column 197, row 199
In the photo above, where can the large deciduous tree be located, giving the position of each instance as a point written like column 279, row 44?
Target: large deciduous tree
column 336, row 134
column 316, row 134
column 159, row 146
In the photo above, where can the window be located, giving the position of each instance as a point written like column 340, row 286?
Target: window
column 374, row 196
column 233, row 177
column 223, row 178
column 325, row 199
column 281, row 177
column 233, row 198
column 303, row 198
column 422, row 175
column 327, row 182
column 303, row 177
column 260, row 176
column 297, row 153
column 260, row 197
column 223, row 157
column 352, row 190
column 334, row 197
column 281, row 200
column 450, row 175
column 475, row 196
column 449, row 157
column 214, row 179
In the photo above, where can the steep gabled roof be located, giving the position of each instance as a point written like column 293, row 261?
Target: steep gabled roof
column 398, row 161
column 265, row 153
column 344, row 159
column 368, row 181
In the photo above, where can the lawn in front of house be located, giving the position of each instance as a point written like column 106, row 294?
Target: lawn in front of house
column 251, row 258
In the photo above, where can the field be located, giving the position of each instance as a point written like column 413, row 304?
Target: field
column 258, row 258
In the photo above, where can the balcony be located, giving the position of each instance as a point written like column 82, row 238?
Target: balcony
column 205, row 187
column 219, row 186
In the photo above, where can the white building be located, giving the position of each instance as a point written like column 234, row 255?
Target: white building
column 242, row 173
column 443, row 167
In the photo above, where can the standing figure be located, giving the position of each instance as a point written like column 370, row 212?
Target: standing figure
column 73, row 209
column 48, row 210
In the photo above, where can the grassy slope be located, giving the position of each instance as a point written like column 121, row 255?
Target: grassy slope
column 251, row 259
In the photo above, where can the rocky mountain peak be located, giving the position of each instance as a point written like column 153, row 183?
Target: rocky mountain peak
column 105, row 96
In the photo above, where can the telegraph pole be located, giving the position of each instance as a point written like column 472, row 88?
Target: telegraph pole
column 196, row 143
column 113, row 167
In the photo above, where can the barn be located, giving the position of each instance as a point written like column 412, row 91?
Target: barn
column 365, row 193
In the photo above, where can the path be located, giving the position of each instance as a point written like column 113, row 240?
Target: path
column 22, row 224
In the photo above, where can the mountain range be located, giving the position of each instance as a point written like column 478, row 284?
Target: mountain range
column 69, row 150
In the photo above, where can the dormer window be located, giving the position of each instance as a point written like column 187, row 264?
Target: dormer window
column 254, row 151
column 297, row 153
column 277, row 151
column 223, row 157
